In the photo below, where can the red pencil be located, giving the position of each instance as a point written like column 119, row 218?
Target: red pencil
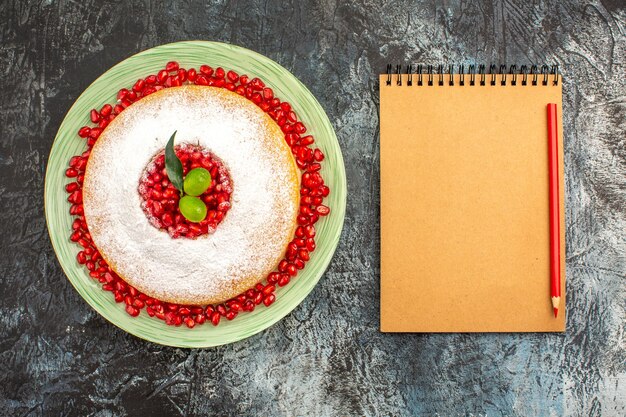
column 555, row 212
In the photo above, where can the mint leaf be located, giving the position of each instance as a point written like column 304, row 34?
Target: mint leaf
column 173, row 166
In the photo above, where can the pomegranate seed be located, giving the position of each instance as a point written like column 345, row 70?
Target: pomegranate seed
column 84, row 131
column 284, row 280
column 190, row 322
column 232, row 76
column 71, row 173
column 162, row 76
column 171, row 66
column 215, row 318
column 269, row 300
column 106, row 110
column 258, row 298
column 192, row 74
column 322, row 210
column 132, row 310
column 122, row 94
column 94, row 116
column 206, row 70
column 81, row 257
column 231, row 314
column 71, row 187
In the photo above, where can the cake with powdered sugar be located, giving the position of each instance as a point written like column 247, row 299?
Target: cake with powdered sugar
column 255, row 191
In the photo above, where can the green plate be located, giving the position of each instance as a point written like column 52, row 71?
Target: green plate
column 104, row 90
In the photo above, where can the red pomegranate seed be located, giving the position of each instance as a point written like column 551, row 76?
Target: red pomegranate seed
column 206, row 70
column 269, row 300
column 94, row 116
column 162, row 76
column 258, row 298
column 171, row 66
column 106, row 110
column 122, row 94
column 215, row 318
column 71, row 187
column 132, row 310
column 84, row 131
column 189, row 322
column 81, row 257
column 192, row 74
column 232, row 76
column 318, row 155
column 284, row 280
column 322, row 210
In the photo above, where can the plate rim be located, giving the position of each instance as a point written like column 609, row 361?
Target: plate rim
column 333, row 238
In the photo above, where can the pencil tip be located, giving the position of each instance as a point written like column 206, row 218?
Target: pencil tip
column 556, row 312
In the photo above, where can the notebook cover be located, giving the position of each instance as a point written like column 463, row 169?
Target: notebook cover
column 464, row 208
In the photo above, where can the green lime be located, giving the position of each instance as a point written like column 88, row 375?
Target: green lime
column 197, row 181
column 192, row 208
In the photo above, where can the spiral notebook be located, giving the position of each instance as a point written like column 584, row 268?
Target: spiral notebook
column 465, row 199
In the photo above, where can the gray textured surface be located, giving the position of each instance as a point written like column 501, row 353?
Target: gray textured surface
column 58, row 357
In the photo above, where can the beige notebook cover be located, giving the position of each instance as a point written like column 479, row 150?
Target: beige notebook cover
column 464, row 207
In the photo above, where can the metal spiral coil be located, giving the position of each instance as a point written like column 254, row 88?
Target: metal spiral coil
column 507, row 74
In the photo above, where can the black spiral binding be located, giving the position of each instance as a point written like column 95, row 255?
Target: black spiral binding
column 510, row 74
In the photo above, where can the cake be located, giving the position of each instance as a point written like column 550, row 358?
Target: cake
column 264, row 202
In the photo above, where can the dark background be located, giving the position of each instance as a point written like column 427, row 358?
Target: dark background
column 59, row 358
